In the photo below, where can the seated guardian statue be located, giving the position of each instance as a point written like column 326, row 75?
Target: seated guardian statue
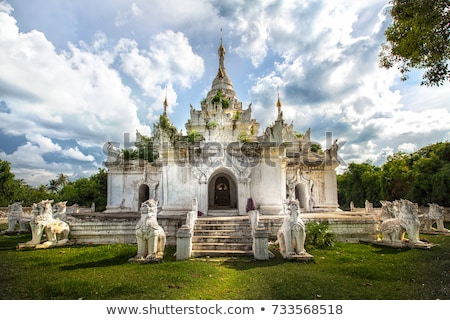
column 150, row 236
column 435, row 215
column 291, row 235
column 405, row 220
column 14, row 214
column 56, row 231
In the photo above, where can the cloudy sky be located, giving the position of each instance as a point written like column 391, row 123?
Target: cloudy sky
column 76, row 74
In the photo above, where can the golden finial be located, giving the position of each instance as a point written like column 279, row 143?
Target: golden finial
column 221, row 48
column 278, row 102
column 165, row 103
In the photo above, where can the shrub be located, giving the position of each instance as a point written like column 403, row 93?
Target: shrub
column 221, row 98
column 319, row 235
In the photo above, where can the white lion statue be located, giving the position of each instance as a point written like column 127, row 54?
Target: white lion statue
column 405, row 220
column 14, row 214
column 150, row 236
column 434, row 215
column 291, row 235
column 389, row 210
column 56, row 231
column 60, row 210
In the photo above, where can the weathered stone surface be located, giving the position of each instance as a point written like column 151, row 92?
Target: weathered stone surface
column 261, row 243
column 184, row 243
column 223, row 161
column 150, row 236
column 397, row 218
column 434, row 216
column 303, row 257
column 56, row 230
column 292, row 234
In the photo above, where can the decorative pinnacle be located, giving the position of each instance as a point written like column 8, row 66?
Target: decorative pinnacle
column 165, row 104
column 278, row 102
column 221, row 48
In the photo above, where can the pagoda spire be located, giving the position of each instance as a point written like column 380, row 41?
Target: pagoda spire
column 165, row 104
column 221, row 73
column 222, row 81
column 278, row 101
column 221, row 52
column 280, row 113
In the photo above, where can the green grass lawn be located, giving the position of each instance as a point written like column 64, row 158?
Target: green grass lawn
column 347, row 271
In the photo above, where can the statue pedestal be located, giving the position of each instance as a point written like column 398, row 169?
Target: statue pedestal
column 261, row 243
column 184, row 243
column 400, row 244
column 43, row 245
column 144, row 260
column 304, row 257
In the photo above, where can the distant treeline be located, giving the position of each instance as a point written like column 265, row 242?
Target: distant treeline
column 422, row 177
column 83, row 191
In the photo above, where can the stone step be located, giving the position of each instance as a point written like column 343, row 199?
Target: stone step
column 224, row 235
column 222, row 239
column 217, row 220
column 221, row 253
column 221, row 236
column 221, row 246
column 223, row 227
column 212, row 221
column 223, row 212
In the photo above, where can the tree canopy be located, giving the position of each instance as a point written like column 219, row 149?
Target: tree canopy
column 83, row 191
column 419, row 37
column 422, row 177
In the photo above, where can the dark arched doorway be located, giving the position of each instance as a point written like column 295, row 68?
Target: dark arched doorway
column 144, row 194
column 222, row 192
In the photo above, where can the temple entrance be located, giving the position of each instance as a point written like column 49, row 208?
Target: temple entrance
column 144, row 194
column 222, row 192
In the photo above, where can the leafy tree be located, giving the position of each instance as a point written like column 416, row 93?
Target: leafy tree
column 359, row 183
column 419, row 38
column 36, row 194
column 6, row 181
column 100, row 182
column 83, row 191
column 86, row 191
column 422, row 177
column 12, row 190
column 57, row 184
column 429, row 169
column 440, row 192
column 397, row 176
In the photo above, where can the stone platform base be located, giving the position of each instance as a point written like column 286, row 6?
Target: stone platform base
column 44, row 245
column 143, row 260
column 120, row 228
column 436, row 232
column 13, row 233
column 422, row 245
column 304, row 257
